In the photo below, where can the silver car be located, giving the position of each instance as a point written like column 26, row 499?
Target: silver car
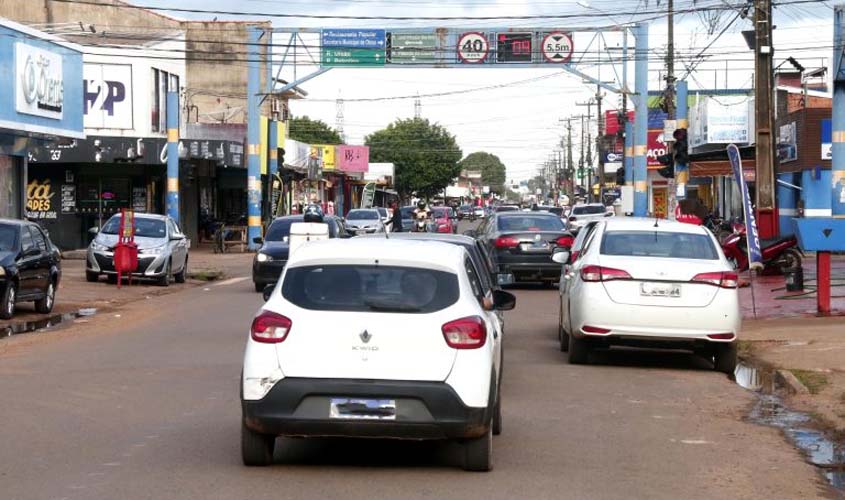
column 364, row 221
column 162, row 250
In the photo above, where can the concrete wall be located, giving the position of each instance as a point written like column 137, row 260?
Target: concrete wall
column 103, row 17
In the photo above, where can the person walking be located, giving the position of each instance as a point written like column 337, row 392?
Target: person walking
column 396, row 219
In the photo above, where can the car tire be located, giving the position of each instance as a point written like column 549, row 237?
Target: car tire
column 259, row 287
column 478, row 453
column 497, row 417
column 92, row 277
column 725, row 358
column 579, row 350
column 182, row 275
column 256, row 449
column 165, row 278
column 7, row 306
column 45, row 305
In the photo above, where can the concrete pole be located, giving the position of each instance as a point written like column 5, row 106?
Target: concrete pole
column 253, row 180
column 838, row 122
column 682, row 170
column 641, row 122
column 172, row 117
column 629, row 153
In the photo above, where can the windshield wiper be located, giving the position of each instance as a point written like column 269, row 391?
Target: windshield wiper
column 390, row 306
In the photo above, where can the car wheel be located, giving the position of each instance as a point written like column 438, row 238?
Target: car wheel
column 45, row 305
column 478, row 453
column 182, row 275
column 579, row 350
column 725, row 358
column 165, row 279
column 256, row 449
column 92, row 277
column 497, row 417
column 259, row 287
column 8, row 304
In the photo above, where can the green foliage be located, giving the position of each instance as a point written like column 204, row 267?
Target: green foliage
column 304, row 129
column 425, row 155
column 493, row 172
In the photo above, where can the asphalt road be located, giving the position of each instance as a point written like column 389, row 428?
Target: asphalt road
column 145, row 405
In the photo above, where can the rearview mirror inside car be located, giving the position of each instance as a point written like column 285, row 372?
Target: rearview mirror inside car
column 503, row 301
column 267, row 292
column 561, row 256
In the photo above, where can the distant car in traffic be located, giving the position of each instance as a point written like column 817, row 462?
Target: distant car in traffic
column 162, row 250
column 30, row 267
column 506, row 208
column 465, row 211
column 444, row 221
column 363, row 221
column 641, row 283
column 581, row 214
column 271, row 258
column 380, row 339
column 522, row 244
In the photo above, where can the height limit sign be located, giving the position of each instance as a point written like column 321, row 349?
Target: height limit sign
column 473, row 48
column 557, row 47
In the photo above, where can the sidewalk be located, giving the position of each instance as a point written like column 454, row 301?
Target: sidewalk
column 74, row 293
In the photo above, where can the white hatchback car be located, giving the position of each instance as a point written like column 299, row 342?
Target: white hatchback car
column 376, row 338
column 649, row 283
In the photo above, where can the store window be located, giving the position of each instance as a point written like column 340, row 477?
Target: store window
column 10, row 187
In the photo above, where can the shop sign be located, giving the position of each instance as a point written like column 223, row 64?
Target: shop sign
column 328, row 156
column 39, row 200
column 68, row 199
column 656, row 148
column 353, row 158
column 727, row 123
column 107, row 95
column 787, row 143
column 39, row 82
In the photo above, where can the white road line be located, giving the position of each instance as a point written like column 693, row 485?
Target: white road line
column 231, row 281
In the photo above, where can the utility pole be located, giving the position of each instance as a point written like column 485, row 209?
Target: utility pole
column 589, row 159
column 600, row 122
column 764, row 119
column 670, row 61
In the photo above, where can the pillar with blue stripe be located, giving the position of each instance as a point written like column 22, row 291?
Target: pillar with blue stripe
column 629, row 153
column 838, row 122
column 787, row 198
column 641, row 122
column 681, row 115
column 253, row 172
column 172, row 120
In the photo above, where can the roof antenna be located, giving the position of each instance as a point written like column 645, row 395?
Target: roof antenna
column 656, row 219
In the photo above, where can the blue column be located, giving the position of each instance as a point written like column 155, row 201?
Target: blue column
column 253, row 172
column 641, row 122
column 815, row 191
column 172, row 117
column 787, row 198
column 681, row 115
column 838, row 122
column 629, row 153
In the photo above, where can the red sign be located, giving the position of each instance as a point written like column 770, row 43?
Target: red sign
column 656, row 147
column 612, row 123
column 353, row 158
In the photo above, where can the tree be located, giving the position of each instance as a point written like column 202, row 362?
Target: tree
column 425, row 155
column 493, row 171
column 304, row 129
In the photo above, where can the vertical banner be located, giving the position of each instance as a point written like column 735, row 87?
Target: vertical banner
column 755, row 256
column 368, row 195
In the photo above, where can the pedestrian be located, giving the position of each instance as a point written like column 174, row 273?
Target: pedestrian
column 396, row 219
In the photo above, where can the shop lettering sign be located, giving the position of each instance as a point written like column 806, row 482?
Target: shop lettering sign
column 107, row 95
column 39, row 200
column 39, row 81
column 353, row 158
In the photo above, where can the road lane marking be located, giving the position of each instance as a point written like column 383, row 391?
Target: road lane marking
column 231, row 281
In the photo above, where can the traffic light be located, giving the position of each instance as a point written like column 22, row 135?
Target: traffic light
column 620, row 176
column 668, row 172
column 665, row 160
column 681, row 147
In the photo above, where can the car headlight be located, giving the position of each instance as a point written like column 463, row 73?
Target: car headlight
column 154, row 250
column 263, row 257
column 98, row 247
column 2, row 271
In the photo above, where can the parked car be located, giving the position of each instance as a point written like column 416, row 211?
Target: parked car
column 30, row 267
column 443, row 220
column 162, row 250
column 522, row 244
column 271, row 258
column 667, row 285
column 364, row 220
column 580, row 214
column 376, row 338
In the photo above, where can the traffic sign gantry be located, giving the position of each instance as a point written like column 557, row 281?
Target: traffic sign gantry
column 352, row 47
column 473, row 47
column 557, row 47
column 412, row 48
column 352, row 57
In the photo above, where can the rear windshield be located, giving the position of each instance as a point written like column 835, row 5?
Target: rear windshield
column 556, row 210
column 589, row 210
column 441, row 213
column 280, row 228
column 659, row 244
column 362, row 215
column 530, row 223
column 507, row 208
column 360, row 288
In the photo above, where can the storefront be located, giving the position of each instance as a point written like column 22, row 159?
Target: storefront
column 41, row 76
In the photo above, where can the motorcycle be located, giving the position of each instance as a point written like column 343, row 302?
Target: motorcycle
column 781, row 254
column 421, row 222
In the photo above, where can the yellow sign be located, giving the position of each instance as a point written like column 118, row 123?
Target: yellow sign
column 263, row 143
column 660, row 202
column 39, row 200
column 328, row 156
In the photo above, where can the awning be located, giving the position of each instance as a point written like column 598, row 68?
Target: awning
column 715, row 163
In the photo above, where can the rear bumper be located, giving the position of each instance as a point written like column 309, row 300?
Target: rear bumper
column 424, row 410
column 526, row 271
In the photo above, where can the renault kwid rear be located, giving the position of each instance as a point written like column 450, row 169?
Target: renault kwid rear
column 375, row 338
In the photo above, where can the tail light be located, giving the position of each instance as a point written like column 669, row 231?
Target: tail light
column 595, row 330
column 565, row 241
column 506, row 242
column 721, row 336
column 720, row 279
column 465, row 333
column 599, row 273
column 270, row 328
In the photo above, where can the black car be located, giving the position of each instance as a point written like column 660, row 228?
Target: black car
column 272, row 257
column 522, row 244
column 30, row 267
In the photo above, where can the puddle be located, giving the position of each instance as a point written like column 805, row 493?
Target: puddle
column 818, row 448
column 53, row 322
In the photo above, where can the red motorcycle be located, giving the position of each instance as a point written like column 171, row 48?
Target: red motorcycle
column 779, row 254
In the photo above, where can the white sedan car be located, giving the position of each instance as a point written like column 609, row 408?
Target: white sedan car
column 649, row 283
column 376, row 338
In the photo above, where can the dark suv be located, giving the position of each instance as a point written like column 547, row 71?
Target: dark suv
column 30, row 267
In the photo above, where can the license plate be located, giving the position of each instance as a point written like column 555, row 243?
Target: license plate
column 363, row 409
column 537, row 246
column 660, row 290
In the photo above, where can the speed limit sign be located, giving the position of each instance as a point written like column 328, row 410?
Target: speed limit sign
column 473, row 47
column 557, row 47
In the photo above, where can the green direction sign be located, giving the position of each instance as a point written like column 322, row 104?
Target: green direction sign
column 412, row 48
column 352, row 57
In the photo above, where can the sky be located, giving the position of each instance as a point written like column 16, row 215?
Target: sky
column 521, row 121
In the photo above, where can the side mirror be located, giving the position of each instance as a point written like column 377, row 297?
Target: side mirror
column 267, row 292
column 94, row 230
column 503, row 301
column 258, row 240
column 561, row 256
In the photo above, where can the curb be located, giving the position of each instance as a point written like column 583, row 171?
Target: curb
column 788, row 380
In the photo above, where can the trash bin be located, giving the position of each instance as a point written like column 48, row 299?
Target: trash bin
column 794, row 279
